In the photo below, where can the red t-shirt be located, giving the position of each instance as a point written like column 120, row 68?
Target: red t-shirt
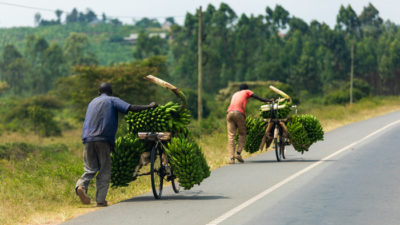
column 239, row 101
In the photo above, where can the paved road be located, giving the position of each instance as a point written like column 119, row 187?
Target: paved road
column 352, row 177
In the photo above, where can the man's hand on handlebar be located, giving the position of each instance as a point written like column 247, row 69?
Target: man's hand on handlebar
column 269, row 100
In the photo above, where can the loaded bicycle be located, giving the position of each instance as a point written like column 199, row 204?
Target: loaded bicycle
column 276, row 130
column 160, row 169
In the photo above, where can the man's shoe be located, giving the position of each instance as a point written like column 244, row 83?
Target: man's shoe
column 102, row 204
column 231, row 161
column 239, row 158
column 82, row 195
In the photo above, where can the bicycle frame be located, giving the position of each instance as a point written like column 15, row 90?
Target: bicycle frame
column 162, row 170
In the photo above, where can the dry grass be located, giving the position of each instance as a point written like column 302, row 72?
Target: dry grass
column 29, row 203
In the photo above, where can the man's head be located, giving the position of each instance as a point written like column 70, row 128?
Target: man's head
column 105, row 88
column 243, row 87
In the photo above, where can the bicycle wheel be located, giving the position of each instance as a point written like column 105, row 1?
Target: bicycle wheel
column 282, row 144
column 175, row 184
column 277, row 150
column 157, row 172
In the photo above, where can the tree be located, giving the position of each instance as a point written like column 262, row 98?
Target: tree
column 36, row 114
column 38, row 17
column 72, row 17
column 58, row 14
column 16, row 74
column 278, row 18
column 126, row 79
column 3, row 86
column 77, row 51
column 147, row 23
column 348, row 21
column 150, row 46
column 370, row 21
column 170, row 20
column 305, row 76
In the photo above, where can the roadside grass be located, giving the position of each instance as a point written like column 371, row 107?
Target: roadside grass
column 38, row 175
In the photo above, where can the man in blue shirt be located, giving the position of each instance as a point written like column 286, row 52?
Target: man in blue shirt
column 98, row 136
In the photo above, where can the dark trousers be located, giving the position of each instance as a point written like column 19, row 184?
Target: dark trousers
column 96, row 158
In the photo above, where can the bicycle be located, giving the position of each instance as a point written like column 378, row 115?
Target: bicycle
column 159, row 167
column 276, row 130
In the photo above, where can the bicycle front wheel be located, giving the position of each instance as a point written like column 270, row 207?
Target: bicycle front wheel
column 157, row 172
column 282, row 143
column 278, row 151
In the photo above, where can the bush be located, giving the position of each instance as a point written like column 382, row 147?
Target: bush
column 36, row 114
column 361, row 89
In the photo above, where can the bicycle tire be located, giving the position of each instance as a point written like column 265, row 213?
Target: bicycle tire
column 277, row 150
column 175, row 185
column 157, row 172
column 282, row 147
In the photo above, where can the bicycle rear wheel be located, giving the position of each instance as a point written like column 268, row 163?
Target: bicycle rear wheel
column 157, row 172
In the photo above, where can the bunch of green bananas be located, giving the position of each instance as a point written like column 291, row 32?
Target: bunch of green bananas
column 169, row 117
column 304, row 130
column 187, row 161
column 282, row 113
column 255, row 129
column 125, row 158
column 313, row 127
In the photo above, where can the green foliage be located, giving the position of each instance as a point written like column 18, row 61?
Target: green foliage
column 77, row 50
column 147, row 46
column 147, row 23
column 126, row 79
column 192, row 103
column 35, row 113
column 187, row 162
column 3, row 86
column 361, row 89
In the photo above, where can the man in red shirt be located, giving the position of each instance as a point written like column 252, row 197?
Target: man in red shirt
column 236, row 119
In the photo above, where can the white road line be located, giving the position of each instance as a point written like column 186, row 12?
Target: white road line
column 292, row 177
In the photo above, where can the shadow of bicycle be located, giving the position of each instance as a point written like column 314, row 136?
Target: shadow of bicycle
column 288, row 160
column 177, row 197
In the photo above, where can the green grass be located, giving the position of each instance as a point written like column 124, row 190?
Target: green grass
column 38, row 175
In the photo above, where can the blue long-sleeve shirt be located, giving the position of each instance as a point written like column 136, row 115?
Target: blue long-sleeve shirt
column 101, row 120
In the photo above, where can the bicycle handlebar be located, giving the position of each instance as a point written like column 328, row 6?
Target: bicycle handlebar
column 281, row 93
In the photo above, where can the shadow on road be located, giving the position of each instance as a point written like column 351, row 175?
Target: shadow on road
column 176, row 197
column 287, row 160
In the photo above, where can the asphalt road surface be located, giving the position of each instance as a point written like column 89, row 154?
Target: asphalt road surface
column 352, row 177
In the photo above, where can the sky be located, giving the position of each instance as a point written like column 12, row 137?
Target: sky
column 129, row 10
